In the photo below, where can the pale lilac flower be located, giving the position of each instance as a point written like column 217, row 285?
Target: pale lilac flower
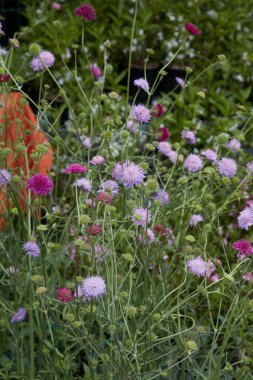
column 141, row 114
column 250, row 167
column 91, row 287
column 56, row 6
column 86, row 141
column 195, row 219
column 248, row 276
column 132, row 174
column 109, row 186
column 44, row 59
column 180, row 81
column 210, row 155
column 162, row 196
column 12, row 270
column 19, row 316
column 117, row 171
column 197, row 266
column 83, row 184
column 148, row 238
column 97, row 160
column 5, row 177
column 164, row 147
column 189, row 136
column 96, row 71
column 172, row 156
column 132, row 126
column 142, row 83
column 141, row 217
column 234, row 145
column 193, row 163
column 31, row 248
column 227, row 167
column 3, row 51
column 245, row 218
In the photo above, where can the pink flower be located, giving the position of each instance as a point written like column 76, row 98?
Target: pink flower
column 56, row 6
column 75, row 168
column 227, row 167
column 64, row 295
column 243, row 247
column 164, row 134
column 86, row 11
column 248, row 276
column 40, row 184
column 142, row 83
column 86, row 141
column 193, row 29
column 96, row 71
column 94, row 230
column 193, row 163
column 97, row 160
column 141, row 217
column 105, row 197
column 160, row 110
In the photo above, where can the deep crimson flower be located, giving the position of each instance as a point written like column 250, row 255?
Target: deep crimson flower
column 105, row 197
column 191, row 28
column 75, row 168
column 64, row 295
column 94, row 230
column 159, row 229
column 86, row 11
column 160, row 110
column 4, row 78
column 164, row 134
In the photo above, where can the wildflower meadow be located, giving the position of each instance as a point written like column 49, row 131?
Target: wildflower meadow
column 126, row 211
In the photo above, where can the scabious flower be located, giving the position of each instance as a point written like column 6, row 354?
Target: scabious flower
column 245, row 218
column 105, row 197
column 193, row 163
column 75, row 168
column 180, row 81
column 56, row 6
column 97, row 160
column 160, row 110
column 96, row 71
column 142, row 83
column 64, row 295
column 91, row 288
column 19, row 316
column 210, row 155
column 189, row 136
column 227, row 167
column 117, row 171
column 141, row 113
column 94, row 230
column 172, row 156
column 197, row 266
column 250, row 168
column 31, row 248
column 141, row 217
column 162, row 196
column 5, row 177
column 164, row 134
column 243, row 247
column 248, row 276
column 234, row 145
column 40, row 184
column 109, row 186
column 164, row 147
column 132, row 174
column 86, row 11
column 86, row 141
column 148, row 237
column 192, row 29
column 132, row 126
column 4, row 78
column 83, row 184
column 43, row 60
column 195, row 219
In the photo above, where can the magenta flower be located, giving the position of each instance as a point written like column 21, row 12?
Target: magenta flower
column 97, row 160
column 141, row 113
column 193, row 163
column 5, row 177
column 234, row 145
column 243, row 247
column 84, row 184
column 160, row 110
column 142, row 83
column 64, row 295
column 109, row 186
column 19, row 316
column 197, row 266
column 44, row 60
column 210, row 155
column 245, row 218
column 189, row 136
column 192, row 29
column 40, row 184
column 195, row 219
column 86, row 11
column 164, row 134
column 92, row 287
column 162, row 196
column 96, row 71
column 227, row 167
column 31, row 248
column 75, row 168
column 141, row 217
column 132, row 174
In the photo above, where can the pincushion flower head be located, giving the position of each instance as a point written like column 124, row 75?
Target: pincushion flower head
column 243, row 247
column 132, row 126
column 93, row 287
column 86, row 141
column 75, row 168
column 105, row 197
column 45, row 59
column 195, row 219
column 19, row 316
column 189, row 136
column 142, row 83
column 96, row 71
column 40, row 184
column 64, row 295
column 132, row 174
column 109, row 186
column 164, row 134
column 193, row 163
column 162, row 196
column 31, row 248
column 141, row 217
column 86, row 11
column 5, row 177
column 227, row 167
column 234, row 145
column 197, row 266
column 83, row 184
column 56, row 6
column 210, row 155
column 94, row 230
column 192, row 29
column 97, row 160
column 250, row 168
column 164, row 147
column 141, row 114
column 160, row 110
column 245, row 218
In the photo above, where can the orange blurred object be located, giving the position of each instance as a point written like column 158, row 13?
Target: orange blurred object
column 19, row 125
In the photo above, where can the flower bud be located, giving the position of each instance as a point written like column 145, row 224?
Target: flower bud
column 34, row 48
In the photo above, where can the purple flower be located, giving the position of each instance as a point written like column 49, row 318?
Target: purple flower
column 141, row 113
column 132, row 126
column 162, row 196
column 142, row 83
column 193, row 163
column 234, row 145
column 148, row 237
column 197, row 266
column 245, row 218
column 45, row 59
column 180, row 81
column 117, row 171
column 141, row 217
column 227, row 167
column 19, row 316
column 109, row 186
column 243, row 247
column 96, row 71
column 210, row 155
column 91, row 287
column 189, row 136
column 164, row 147
column 172, row 156
column 248, row 276
column 86, row 11
column 86, row 141
column 132, row 174
column 5, row 177
column 250, row 168
column 40, row 184
column 97, row 160
column 84, row 184
column 56, row 6
column 31, row 248
column 195, row 219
